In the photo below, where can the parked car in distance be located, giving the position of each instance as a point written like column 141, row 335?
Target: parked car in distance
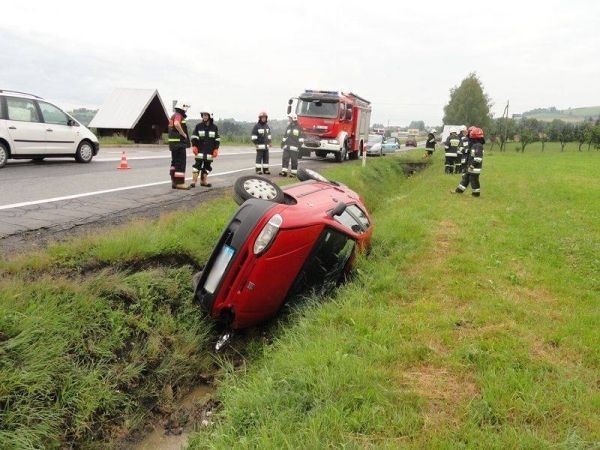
column 374, row 145
column 33, row 128
column 411, row 141
column 281, row 243
column 390, row 145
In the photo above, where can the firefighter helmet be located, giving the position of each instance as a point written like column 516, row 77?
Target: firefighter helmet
column 293, row 116
column 263, row 114
column 206, row 110
column 180, row 104
column 476, row 133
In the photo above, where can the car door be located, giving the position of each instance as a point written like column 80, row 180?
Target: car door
column 25, row 127
column 61, row 137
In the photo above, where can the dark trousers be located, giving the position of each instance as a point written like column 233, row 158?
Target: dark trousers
column 449, row 164
column 287, row 156
column 202, row 165
column 458, row 163
column 262, row 158
column 469, row 178
column 178, row 160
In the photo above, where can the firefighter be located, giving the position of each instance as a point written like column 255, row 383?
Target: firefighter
column 291, row 143
column 451, row 151
column 474, row 164
column 261, row 137
column 429, row 145
column 205, row 145
column 463, row 150
column 178, row 143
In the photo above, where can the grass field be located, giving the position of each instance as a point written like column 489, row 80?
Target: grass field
column 474, row 323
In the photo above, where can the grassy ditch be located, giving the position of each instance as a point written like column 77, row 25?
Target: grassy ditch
column 475, row 323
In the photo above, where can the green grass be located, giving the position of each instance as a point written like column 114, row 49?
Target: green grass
column 474, row 323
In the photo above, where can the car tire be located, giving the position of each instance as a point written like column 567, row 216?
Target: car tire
column 321, row 154
column 84, row 153
column 254, row 186
column 3, row 155
column 309, row 174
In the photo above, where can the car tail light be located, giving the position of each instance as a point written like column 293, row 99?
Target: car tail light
column 267, row 234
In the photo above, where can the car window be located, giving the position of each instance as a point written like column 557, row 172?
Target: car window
column 359, row 214
column 326, row 263
column 22, row 109
column 349, row 221
column 52, row 114
column 2, row 108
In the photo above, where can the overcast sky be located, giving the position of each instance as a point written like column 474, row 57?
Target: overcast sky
column 241, row 57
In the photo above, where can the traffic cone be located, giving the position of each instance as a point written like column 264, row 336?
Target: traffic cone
column 123, row 164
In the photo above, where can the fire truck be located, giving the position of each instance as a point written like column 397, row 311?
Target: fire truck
column 332, row 122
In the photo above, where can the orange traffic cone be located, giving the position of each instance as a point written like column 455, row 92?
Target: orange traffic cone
column 123, row 164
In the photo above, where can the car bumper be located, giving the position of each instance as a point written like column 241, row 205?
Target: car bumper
column 321, row 145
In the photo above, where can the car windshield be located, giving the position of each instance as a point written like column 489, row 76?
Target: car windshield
column 374, row 138
column 390, row 141
column 315, row 108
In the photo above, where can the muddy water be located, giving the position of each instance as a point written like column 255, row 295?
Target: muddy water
column 176, row 439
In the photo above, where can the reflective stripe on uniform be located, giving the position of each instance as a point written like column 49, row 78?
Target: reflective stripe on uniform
column 269, row 137
column 174, row 139
column 296, row 132
column 218, row 139
column 258, row 166
column 293, row 147
column 261, row 146
column 254, row 137
column 194, row 136
column 477, row 159
column 474, row 170
column 261, row 131
column 451, row 154
column 179, row 174
column 476, row 190
column 201, row 133
column 211, row 134
column 461, row 187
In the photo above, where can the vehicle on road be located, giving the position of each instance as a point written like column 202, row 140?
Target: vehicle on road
column 33, row 128
column 390, row 145
column 332, row 122
column 411, row 141
column 279, row 244
column 373, row 146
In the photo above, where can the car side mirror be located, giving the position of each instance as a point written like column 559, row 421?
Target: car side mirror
column 71, row 122
column 338, row 209
column 349, row 114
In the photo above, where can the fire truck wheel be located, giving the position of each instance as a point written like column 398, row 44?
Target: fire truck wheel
column 253, row 186
column 309, row 174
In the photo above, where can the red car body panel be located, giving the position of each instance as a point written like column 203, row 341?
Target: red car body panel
column 254, row 287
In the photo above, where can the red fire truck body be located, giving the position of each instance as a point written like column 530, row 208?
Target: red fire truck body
column 332, row 122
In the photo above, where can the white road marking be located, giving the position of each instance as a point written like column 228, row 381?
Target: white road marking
column 108, row 191
column 133, row 158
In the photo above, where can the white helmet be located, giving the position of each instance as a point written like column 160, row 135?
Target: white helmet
column 293, row 116
column 206, row 110
column 184, row 106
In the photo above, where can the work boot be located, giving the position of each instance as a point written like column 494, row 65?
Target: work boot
column 203, row 180
column 258, row 171
column 182, row 187
column 266, row 171
column 283, row 173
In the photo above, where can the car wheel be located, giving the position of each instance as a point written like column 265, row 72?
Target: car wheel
column 252, row 186
column 3, row 155
column 309, row 174
column 84, row 152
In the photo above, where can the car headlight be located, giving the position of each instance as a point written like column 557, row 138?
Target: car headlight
column 333, row 141
column 267, row 234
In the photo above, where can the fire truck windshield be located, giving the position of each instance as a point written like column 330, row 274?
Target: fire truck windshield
column 316, row 108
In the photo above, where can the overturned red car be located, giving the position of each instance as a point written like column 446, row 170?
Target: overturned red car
column 281, row 243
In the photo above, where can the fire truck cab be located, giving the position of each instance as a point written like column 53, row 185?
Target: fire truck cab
column 332, row 122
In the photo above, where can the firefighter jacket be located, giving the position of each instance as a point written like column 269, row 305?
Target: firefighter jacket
column 206, row 139
column 430, row 143
column 475, row 159
column 292, row 139
column 174, row 136
column 261, row 135
column 451, row 145
column 463, row 147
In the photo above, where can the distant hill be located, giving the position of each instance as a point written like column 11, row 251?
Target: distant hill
column 568, row 115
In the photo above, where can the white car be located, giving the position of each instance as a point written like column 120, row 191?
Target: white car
column 32, row 128
column 374, row 145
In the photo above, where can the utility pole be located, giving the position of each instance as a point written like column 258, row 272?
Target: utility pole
column 505, row 113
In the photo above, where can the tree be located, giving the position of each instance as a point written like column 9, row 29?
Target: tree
column 469, row 104
column 581, row 133
column 528, row 132
column 505, row 130
column 418, row 124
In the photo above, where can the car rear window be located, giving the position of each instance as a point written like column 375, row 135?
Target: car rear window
column 359, row 214
column 22, row 109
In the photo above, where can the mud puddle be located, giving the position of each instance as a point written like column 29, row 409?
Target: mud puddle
column 190, row 414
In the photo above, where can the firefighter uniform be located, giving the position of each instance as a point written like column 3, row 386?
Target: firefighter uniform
column 178, row 145
column 451, row 151
column 463, row 153
column 291, row 143
column 261, row 138
column 430, row 145
column 474, row 166
column 206, row 140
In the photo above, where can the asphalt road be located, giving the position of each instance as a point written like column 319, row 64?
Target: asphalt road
column 60, row 193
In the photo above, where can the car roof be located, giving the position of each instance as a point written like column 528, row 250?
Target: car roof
column 11, row 93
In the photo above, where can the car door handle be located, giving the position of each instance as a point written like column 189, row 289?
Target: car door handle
column 49, row 129
column 12, row 128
